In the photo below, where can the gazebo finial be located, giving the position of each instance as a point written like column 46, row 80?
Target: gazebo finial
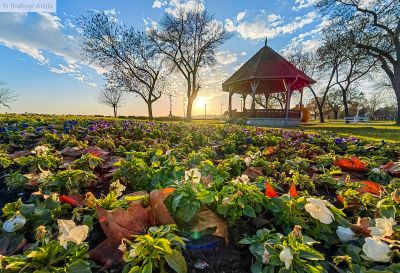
column 266, row 41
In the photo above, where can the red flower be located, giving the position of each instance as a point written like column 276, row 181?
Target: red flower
column 353, row 164
column 293, row 191
column 74, row 200
column 269, row 190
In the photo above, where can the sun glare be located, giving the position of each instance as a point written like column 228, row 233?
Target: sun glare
column 200, row 101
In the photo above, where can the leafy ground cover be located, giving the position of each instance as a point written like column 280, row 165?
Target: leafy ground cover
column 82, row 194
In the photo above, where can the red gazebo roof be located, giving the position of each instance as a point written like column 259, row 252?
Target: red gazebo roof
column 271, row 71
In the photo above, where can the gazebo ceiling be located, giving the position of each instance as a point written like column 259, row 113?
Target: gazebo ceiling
column 270, row 72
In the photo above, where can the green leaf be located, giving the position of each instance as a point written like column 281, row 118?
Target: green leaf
column 176, row 261
column 249, row 211
column 79, row 266
column 309, row 253
column 256, row 267
column 135, row 269
column 147, row 268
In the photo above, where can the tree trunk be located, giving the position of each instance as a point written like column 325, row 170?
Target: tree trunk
column 321, row 114
column 150, row 109
column 396, row 87
column 189, row 108
column 345, row 104
column 336, row 114
column 115, row 111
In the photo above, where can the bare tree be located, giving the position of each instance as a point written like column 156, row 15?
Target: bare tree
column 374, row 101
column 375, row 27
column 349, row 62
column 334, row 102
column 130, row 56
column 189, row 39
column 112, row 97
column 314, row 66
column 7, row 96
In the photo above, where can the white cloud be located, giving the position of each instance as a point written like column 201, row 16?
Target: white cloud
column 240, row 15
column 158, row 4
column 244, row 53
column 269, row 26
column 41, row 37
column 302, row 4
column 188, row 6
column 226, row 57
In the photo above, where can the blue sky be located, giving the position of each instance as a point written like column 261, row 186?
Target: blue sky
column 40, row 52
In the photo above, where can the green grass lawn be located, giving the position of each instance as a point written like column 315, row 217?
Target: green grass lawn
column 375, row 131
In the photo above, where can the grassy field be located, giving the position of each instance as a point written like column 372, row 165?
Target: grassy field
column 375, row 131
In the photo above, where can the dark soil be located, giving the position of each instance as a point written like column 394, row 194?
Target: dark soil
column 223, row 259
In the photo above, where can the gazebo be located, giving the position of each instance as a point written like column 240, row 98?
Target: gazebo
column 265, row 73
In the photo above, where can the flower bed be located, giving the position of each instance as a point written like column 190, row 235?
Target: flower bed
column 86, row 194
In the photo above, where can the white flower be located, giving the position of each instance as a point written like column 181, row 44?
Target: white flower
column 194, row 175
column 286, row 257
column 14, row 223
column 68, row 231
column 345, row 234
column 383, row 227
column 247, row 161
column 40, row 150
column 376, row 250
column 318, row 210
column 242, row 179
column 265, row 258
column 117, row 187
column 376, row 170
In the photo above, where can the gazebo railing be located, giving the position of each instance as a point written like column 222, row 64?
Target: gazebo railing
column 266, row 113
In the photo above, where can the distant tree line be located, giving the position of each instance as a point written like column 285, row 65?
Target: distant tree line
column 359, row 41
column 141, row 62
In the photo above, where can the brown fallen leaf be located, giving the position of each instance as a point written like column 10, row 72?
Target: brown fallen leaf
column 106, row 253
column 159, row 212
column 207, row 180
column 254, row 172
column 34, row 179
column 72, row 151
column 362, row 226
column 19, row 154
column 208, row 219
column 110, row 162
column 120, row 223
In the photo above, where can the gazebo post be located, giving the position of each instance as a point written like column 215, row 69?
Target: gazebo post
column 244, row 102
column 230, row 102
column 287, row 87
column 253, row 86
column 301, row 100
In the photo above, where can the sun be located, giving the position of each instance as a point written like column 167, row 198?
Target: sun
column 200, row 101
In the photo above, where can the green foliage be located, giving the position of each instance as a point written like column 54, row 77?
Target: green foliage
column 237, row 199
column 16, row 180
column 70, row 181
column 152, row 251
column 135, row 171
column 186, row 200
column 87, row 162
column 50, row 257
column 267, row 245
